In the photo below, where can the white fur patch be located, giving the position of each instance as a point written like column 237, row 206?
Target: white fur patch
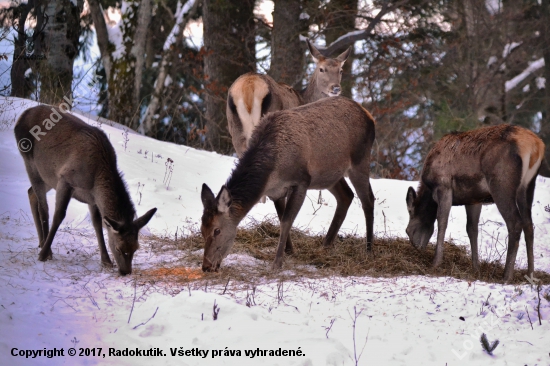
column 249, row 120
column 528, row 173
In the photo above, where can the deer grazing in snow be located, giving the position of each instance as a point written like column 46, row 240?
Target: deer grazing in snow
column 77, row 160
column 310, row 147
column 253, row 95
column 497, row 164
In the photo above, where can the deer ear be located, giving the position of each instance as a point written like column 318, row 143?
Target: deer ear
column 224, row 200
column 411, row 196
column 314, row 52
column 207, row 197
column 143, row 220
column 344, row 55
column 112, row 224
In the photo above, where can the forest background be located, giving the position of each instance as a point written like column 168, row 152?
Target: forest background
column 163, row 67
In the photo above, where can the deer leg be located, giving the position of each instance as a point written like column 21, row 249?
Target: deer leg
column 293, row 204
column 280, row 207
column 62, row 197
column 504, row 196
column 525, row 202
column 359, row 177
column 344, row 196
column 40, row 191
column 472, row 220
column 444, row 199
column 33, row 200
column 514, row 225
column 98, row 227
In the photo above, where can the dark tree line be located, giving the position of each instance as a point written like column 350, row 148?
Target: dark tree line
column 423, row 67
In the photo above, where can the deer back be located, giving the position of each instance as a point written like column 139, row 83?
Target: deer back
column 470, row 158
column 321, row 139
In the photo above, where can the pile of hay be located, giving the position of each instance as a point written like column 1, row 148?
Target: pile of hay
column 391, row 257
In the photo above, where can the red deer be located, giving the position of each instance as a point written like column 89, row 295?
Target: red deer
column 497, row 164
column 310, row 147
column 253, row 95
column 77, row 160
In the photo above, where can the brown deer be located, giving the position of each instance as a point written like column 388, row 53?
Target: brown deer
column 310, row 147
column 77, row 160
column 497, row 164
column 253, row 95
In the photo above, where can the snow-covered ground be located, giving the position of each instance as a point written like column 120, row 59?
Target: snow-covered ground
column 71, row 302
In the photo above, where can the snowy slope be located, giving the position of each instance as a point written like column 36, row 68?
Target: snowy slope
column 71, row 301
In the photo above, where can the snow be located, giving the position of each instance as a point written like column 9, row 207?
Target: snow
column 533, row 66
column 491, row 60
column 493, row 6
column 71, row 301
column 180, row 12
column 541, row 82
column 167, row 81
column 509, row 47
column 350, row 34
column 115, row 31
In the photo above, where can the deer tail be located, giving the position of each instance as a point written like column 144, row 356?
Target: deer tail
column 249, row 97
column 531, row 150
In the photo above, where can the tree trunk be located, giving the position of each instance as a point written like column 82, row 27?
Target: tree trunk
column 20, row 64
column 138, row 51
column 124, row 81
column 287, row 55
column 229, row 43
column 105, row 46
column 61, row 38
column 341, row 20
column 545, row 123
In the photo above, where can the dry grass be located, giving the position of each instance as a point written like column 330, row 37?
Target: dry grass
column 391, row 257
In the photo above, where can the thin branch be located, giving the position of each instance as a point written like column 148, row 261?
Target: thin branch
column 133, row 302
column 350, row 38
column 140, row 324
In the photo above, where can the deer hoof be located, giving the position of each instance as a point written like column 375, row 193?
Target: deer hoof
column 107, row 263
column 44, row 256
column 289, row 248
column 436, row 263
column 277, row 264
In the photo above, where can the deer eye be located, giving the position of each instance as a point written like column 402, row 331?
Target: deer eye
column 216, row 232
column 322, row 70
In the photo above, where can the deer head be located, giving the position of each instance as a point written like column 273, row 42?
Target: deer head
column 421, row 219
column 218, row 228
column 328, row 71
column 123, row 239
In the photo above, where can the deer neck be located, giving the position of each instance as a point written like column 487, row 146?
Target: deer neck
column 427, row 202
column 311, row 93
column 248, row 181
column 244, row 197
column 112, row 198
